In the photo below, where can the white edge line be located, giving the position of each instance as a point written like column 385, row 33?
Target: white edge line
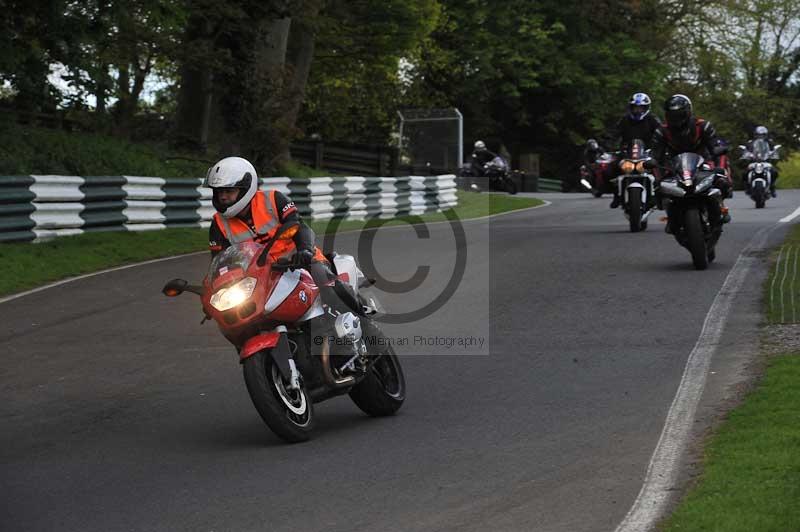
column 791, row 217
column 92, row 274
column 134, row 265
column 659, row 481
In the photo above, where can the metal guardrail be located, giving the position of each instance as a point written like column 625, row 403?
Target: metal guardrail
column 549, row 185
column 38, row 207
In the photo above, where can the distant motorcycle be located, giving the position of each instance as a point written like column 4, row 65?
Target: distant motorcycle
column 497, row 171
column 636, row 186
column 759, row 170
column 694, row 213
column 596, row 177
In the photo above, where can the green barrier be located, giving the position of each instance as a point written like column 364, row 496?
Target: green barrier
column 549, row 185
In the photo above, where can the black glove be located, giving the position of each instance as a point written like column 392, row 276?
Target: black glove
column 305, row 256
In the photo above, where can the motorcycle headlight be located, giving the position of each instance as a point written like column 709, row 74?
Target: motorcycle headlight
column 687, row 182
column 227, row 298
column 640, row 168
column 627, row 167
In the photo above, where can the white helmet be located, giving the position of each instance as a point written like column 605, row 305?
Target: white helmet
column 232, row 172
column 480, row 145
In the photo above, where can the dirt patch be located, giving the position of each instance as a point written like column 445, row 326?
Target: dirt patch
column 779, row 339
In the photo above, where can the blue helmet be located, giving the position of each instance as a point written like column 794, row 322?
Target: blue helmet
column 639, row 106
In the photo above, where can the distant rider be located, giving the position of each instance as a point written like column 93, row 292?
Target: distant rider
column 761, row 132
column 480, row 156
column 637, row 123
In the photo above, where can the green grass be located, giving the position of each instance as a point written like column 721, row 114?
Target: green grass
column 28, row 265
column 783, row 284
column 790, row 172
column 751, row 479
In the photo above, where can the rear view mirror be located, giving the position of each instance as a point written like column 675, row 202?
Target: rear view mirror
column 777, row 146
column 174, row 288
column 743, row 148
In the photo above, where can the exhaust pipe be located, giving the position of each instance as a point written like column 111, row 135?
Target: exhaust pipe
column 327, row 372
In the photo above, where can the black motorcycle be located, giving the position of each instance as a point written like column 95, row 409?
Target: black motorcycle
column 497, row 171
column 694, row 213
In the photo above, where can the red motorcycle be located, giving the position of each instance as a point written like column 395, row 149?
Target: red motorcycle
column 294, row 350
column 596, row 177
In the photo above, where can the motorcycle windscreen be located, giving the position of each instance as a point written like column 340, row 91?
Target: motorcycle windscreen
column 761, row 150
column 237, row 256
column 686, row 165
column 499, row 163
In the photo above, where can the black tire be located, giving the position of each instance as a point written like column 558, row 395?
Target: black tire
column 644, row 225
column 635, row 211
column 712, row 254
column 272, row 399
column 511, row 187
column 758, row 195
column 696, row 239
column 597, row 193
column 383, row 390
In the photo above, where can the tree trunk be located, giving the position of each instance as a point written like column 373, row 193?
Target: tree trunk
column 300, row 57
column 195, row 93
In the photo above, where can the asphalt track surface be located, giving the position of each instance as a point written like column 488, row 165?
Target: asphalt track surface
column 120, row 412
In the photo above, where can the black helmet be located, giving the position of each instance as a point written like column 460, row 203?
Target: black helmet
column 678, row 111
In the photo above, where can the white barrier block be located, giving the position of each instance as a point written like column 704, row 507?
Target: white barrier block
column 57, row 188
column 57, row 215
column 144, row 188
column 143, row 212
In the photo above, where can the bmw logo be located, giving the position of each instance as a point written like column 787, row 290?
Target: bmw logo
column 303, row 296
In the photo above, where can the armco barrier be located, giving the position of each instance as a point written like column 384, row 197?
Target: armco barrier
column 44, row 206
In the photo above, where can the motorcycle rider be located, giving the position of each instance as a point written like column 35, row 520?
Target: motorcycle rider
column 683, row 132
column 761, row 132
column 480, row 156
column 637, row 123
column 245, row 213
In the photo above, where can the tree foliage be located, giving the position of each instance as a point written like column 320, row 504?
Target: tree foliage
column 248, row 76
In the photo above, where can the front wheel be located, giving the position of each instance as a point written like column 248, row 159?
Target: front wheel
column 511, row 187
column 696, row 239
column 759, row 195
column 383, row 390
column 289, row 413
column 635, row 210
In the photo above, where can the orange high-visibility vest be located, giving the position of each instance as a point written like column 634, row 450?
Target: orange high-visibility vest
column 266, row 222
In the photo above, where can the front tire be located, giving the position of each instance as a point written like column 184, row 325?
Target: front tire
column 759, row 195
column 511, row 187
column 696, row 239
column 635, row 210
column 289, row 413
column 383, row 390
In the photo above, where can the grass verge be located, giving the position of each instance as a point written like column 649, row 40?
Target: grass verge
column 789, row 169
column 29, row 265
column 751, row 469
column 751, row 478
column 783, row 285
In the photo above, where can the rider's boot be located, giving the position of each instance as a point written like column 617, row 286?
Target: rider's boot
column 615, row 202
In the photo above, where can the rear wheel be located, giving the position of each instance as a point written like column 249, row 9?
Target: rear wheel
column 383, row 390
column 696, row 240
column 635, row 210
column 289, row 413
